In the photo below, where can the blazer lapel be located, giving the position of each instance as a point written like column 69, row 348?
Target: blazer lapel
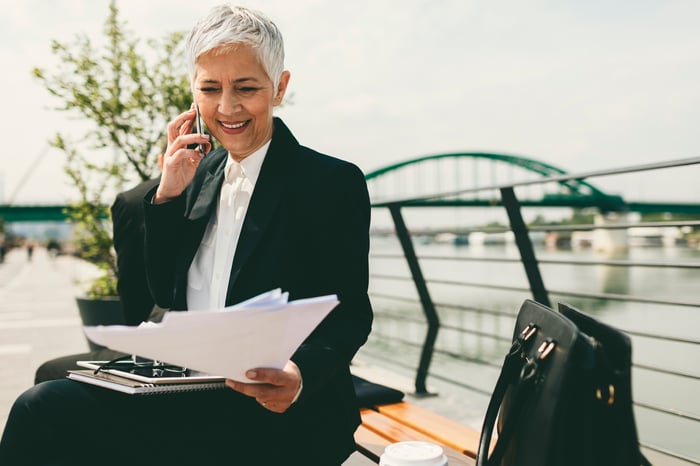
column 267, row 194
column 208, row 193
column 200, row 204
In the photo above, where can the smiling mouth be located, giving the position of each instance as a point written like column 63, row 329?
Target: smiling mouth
column 235, row 125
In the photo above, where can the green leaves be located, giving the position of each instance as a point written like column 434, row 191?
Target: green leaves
column 125, row 92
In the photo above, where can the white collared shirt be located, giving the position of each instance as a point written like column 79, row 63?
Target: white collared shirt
column 209, row 273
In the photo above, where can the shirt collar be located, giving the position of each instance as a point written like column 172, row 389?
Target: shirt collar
column 251, row 165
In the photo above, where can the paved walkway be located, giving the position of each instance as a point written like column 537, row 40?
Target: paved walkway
column 38, row 317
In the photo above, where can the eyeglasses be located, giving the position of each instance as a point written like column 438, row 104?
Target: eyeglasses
column 144, row 367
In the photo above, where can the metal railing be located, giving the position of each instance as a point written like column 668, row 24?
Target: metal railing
column 467, row 340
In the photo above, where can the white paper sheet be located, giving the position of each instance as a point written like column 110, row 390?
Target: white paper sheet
column 261, row 332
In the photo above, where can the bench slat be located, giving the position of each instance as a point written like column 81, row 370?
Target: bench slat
column 378, row 430
column 370, row 443
column 391, row 429
column 445, row 431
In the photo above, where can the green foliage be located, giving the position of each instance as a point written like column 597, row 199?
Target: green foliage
column 578, row 217
column 104, row 285
column 126, row 96
column 667, row 217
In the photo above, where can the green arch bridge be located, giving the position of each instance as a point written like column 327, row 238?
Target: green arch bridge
column 420, row 181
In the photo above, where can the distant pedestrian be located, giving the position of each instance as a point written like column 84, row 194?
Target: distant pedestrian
column 30, row 250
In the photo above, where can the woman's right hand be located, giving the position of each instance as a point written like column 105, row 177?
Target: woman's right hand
column 179, row 162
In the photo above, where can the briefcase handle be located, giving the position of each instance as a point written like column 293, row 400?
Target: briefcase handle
column 515, row 367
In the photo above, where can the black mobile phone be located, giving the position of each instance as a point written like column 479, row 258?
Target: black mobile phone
column 198, row 129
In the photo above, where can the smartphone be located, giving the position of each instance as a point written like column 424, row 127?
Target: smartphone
column 198, row 129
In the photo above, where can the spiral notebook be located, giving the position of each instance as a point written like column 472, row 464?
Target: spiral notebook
column 137, row 387
column 126, row 367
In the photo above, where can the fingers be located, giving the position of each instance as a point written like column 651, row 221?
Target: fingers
column 207, row 144
column 270, row 397
column 180, row 133
column 179, row 162
column 177, row 125
column 276, row 390
column 178, row 171
column 270, row 376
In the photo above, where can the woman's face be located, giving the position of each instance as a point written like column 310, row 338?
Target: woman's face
column 235, row 98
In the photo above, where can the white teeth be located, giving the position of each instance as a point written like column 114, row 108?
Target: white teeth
column 239, row 125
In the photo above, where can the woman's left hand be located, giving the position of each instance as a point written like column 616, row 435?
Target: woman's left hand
column 277, row 390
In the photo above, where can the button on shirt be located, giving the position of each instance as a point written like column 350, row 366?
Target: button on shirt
column 209, row 273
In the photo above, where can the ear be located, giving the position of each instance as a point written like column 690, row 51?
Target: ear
column 281, row 88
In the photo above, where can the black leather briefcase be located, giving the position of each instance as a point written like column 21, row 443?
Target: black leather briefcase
column 564, row 394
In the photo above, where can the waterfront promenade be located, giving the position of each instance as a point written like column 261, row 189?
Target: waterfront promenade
column 38, row 317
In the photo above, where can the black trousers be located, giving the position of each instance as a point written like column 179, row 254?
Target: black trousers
column 55, row 369
column 63, row 422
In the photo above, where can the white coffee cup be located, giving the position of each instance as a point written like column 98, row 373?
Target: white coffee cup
column 413, row 454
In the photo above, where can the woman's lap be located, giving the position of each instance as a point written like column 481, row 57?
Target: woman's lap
column 75, row 421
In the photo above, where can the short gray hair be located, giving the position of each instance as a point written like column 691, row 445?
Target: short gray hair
column 228, row 25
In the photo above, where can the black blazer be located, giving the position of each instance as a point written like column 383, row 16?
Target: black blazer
column 306, row 231
column 128, row 232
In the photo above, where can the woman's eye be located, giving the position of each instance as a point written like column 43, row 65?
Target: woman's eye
column 208, row 89
column 247, row 90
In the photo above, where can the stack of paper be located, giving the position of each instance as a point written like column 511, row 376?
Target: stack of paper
column 261, row 332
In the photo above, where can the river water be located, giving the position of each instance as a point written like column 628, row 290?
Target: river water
column 399, row 321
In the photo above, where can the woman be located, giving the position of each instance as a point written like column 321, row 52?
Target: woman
column 263, row 212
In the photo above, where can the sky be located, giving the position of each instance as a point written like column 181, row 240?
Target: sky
column 583, row 85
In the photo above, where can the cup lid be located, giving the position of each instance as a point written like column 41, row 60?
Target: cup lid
column 413, row 454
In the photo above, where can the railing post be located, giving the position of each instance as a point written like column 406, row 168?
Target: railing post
column 527, row 252
column 425, row 299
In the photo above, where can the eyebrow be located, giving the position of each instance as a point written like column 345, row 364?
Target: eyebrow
column 235, row 81
column 242, row 80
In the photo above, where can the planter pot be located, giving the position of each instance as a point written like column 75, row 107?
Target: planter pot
column 104, row 311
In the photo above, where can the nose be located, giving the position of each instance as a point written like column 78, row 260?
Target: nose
column 229, row 103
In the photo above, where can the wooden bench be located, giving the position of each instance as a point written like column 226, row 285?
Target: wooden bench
column 404, row 421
